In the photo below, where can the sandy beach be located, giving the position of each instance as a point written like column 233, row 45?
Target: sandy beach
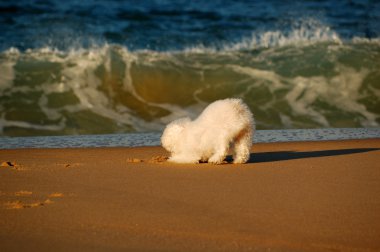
column 299, row 196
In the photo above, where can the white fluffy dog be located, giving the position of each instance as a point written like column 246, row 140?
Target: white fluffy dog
column 222, row 124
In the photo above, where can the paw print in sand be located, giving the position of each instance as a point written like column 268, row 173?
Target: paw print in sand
column 23, row 200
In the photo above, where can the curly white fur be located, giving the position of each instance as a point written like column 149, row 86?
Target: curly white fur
column 222, row 124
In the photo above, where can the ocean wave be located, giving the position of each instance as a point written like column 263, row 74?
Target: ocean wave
column 303, row 32
column 308, row 78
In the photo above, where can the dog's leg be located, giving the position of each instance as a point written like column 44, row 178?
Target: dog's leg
column 220, row 153
column 242, row 146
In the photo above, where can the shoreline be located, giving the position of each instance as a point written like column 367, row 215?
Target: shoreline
column 153, row 139
column 294, row 196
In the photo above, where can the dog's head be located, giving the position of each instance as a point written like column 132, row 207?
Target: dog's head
column 171, row 137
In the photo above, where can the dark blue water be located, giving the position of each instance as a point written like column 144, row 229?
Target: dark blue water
column 95, row 67
column 176, row 24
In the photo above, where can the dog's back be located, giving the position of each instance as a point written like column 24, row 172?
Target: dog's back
column 227, row 111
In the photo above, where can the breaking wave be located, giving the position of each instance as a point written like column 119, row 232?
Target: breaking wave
column 305, row 78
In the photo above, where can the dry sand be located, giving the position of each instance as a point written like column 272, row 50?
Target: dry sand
column 310, row 196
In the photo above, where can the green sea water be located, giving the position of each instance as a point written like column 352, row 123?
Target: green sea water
column 289, row 83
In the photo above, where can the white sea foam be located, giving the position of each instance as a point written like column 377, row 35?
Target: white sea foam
column 263, row 76
column 26, row 125
column 175, row 110
column 7, row 74
column 358, row 40
column 309, row 31
column 7, row 64
column 78, row 74
column 341, row 91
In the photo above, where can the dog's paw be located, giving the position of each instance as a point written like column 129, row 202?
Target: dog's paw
column 183, row 160
column 216, row 160
column 240, row 160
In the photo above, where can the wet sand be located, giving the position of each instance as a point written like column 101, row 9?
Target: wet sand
column 309, row 196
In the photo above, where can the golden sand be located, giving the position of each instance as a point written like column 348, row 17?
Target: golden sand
column 309, row 196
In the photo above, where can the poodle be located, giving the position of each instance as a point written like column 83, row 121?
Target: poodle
column 222, row 124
